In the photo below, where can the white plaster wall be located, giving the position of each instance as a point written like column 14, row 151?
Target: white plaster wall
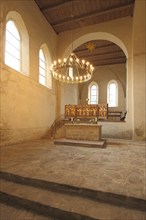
column 27, row 108
column 118, row 130
column 102, row 75
column 139, row 70
column 69, row 95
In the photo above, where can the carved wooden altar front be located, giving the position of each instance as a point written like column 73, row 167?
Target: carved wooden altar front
column 86, row 111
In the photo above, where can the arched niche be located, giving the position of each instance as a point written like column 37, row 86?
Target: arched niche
column 96, row 36
column 111, row 38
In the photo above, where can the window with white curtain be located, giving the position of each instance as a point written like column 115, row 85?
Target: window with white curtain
column 93, row 93
column 12, row 46
column 42, row 68
column 112, row 94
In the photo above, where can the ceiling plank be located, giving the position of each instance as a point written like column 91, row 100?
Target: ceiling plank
column 56, row 6
column 87, row 16
column 100, row 54
column 97, row 47
column 112, row 62
column 109, row 61
column 111, row 58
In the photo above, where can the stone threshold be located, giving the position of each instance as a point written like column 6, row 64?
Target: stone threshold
column 81, row 143
column 112, row 141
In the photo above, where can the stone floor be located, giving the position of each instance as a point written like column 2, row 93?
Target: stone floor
column 119, row 168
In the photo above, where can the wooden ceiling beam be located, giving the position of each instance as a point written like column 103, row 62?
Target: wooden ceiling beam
column 97, row 47
column 108, row 63
column 110, row 58
column 55, row 6
column 101, row 54
column 87, row 16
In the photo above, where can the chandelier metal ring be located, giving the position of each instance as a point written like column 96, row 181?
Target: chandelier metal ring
column 72, row 70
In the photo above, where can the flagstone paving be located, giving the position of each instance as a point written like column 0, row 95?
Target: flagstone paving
column 118, row 168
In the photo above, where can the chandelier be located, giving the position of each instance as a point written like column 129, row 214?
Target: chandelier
column 72, row 70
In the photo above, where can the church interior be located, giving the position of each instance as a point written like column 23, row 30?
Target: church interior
column 73, row 109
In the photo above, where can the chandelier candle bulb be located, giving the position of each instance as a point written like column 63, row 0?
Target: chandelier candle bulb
column 72, row 70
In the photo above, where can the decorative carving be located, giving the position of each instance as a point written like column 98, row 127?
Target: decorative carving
column 81, row 111
column 103, row 111
column 70, row 111
column 94, row 110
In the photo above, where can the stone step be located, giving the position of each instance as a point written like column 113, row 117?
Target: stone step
column 111, row 141
column 62, row 206
column 100, row 196
column 12, row 213
column 80, row 143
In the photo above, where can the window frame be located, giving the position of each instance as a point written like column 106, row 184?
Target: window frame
column 89, row 93
column 19, row 69
column 43, row 61
column 24, row 48
column 109, row 94
column 48, row 76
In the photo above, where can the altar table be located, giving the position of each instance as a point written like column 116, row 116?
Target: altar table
column 83, row 131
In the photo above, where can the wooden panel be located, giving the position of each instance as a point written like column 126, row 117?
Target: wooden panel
column 81, row 111
column 70, row 111
column 87, row 111
column 103, row 111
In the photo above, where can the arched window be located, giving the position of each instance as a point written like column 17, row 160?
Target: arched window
column 42, row 68
column 45, row 77
column 16, row 43
column 12, row 46
column 112, row 94
column 93, row 93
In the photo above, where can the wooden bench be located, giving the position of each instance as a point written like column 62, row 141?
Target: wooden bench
column 115, row 114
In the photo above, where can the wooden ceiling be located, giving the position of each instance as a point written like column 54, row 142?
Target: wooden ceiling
column 103, row 53
column 64, row 15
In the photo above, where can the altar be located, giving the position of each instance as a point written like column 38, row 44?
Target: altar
column 83, row 122
column 99, row 111
column 83, row 131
